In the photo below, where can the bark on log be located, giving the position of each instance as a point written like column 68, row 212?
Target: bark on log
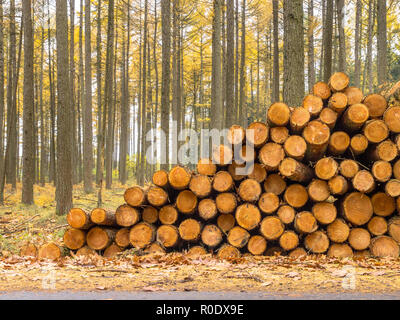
column 295, row 170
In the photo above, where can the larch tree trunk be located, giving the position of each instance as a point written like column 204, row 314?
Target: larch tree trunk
column 275, row 80
column 230, row 64
column 340, row 8
column 74, row 102
column 99, row 95
column 327, row 43
column 382, row 41
column 242, row 94
column 1, row 96
column 357, row 37
column 311, row 59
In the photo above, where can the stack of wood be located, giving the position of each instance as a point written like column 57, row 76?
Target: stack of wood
column 325, row 180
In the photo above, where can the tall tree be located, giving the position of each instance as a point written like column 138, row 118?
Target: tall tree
column 99, row 88
column 357, row 60
column 275, row 90
column 382, row 41
column 230, row 63
column 328, row 30
column 342, row 40
column 242, row 93
column 1, row 87
column 310, row 56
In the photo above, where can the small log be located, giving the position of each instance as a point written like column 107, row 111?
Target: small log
column 238, row 237
column 299, row 119
column 396, row 170
column 257, row 245
column 329, row 117
column 338, row 102
column 268, row 202
column 196, row 251
column 186, row 202
column 257, row 134
column 103, row 217
column 28, row 250
column 338, row 81
column 324, row 212
column 249, row 190
column 376, row 104
column 126, row 216
column 279, row 134
column 317, row 242
column 317, row 135
column 49, row 251
column 278, row 114
column 297, row 253
column 236, row 134
column 338, row 185
column 313, row 104
column 211, row 235
column 179, row 178
column 228, row 252
column 271, row 227
column 207, row 209
column 135, row 196
column 382, row 171
column 338, row 231
column 150, row 214
column 318, row 190
column 141, row 235
column 206, row 167
column 157, row 196
column 74, row 238
column 237, row 171
column 363, row 181
column 322, row 90
column 155, row 248
column 274, row 183
column 248, row 216
column 339, row 142
column 305, row 222
column 382, row 204
column 226, row 222
column 358, row 144
column 348, row 168
column 258, row 173
column 357, row 208
column 168, row 236
column 377, row 226
column 160, row 178
column 295, row 170
column 326, row 168
column 112, row 251
column 355, row 116
column 392, row 118
column 375, row 131
column 222, row 182
column 295, row 147
column 354, row 95
column 122, row 237
column 340, row 250
column 189, row 230
column 394, row 228
column 384, row 246
column 296, row 195
column 271, row 155
column 100, row 238
column 289, row 240
column 359, row 238
column 200, row 185
column 286, row 214
column 79, row 219
column 386, row 150
column 392, row 188
column 226, row 202
column 168, row 214
column 222, row 155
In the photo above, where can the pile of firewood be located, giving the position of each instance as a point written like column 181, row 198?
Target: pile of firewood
column 325, row 179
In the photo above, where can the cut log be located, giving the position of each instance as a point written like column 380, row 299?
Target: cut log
column 258, row 173
column 297, row 253
column 392, row 188
column 377, row 226
column 237, row 171
column 236, row 134
column 363, row 181
column 186, row 202
column 126, row 216
column 357, row 208
column 257, row 134
column 278, row 114
column 355, row 116
column 222, row 182
column 318, row 190
column 326, row 168
column 354, row 95
column 157, row 196
column 160, row 178
column 279, row 134
column 289, row 240
column 228, row 252
column 211, row 235
column 384, row 246
column 103, row 217
column 271, row 155
column 296, row 195
column 168, row 236
column 338, row 231
column 226, row 202
column 222, row 155
column 238, row 237
column 274, row 183
column 206, row 167
column 112, row 251
column 338, row 102
column 28, row 250
column 207, row 209
column 150, row 214
column 295, row 170
column 338, row 81
column 359, row 238
column 226, row 222
column 394, row 228
column 200, row 185
column 247, row 154
column 100, row 238
column 338, row 143
column 376, row 131
column 299, row 119
column 49, row 251
column 79, row 219
column 286, row 214
column 249, row 190
column 305, row 222
column 189, row 230
column 382, row 204
column 358, row 144
column 87, row 252
column 122, row 237
column 316, row 242
column 382, row 170
column 313, row 104
column 168, row 214
column 155, row 248
column 248, row 216
column 329, row 117
column 74, row 238
column 317, row 136
column 322, row 90
column 179, row 178
column 348, row 168
column 268, row 202
column 141, row 235
column 376, row 104
column 392, row 119
column 135, row 196
column 338, row 185
column 196, row 251
column 396, row 170
column 295, row 147
column 340, row 250
column 324, row 212
column 386, row 150
column 271, row 227
column 257, row 245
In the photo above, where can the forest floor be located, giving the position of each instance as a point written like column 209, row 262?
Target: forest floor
column 176, row 272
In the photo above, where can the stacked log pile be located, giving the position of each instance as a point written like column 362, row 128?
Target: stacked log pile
column 325, row 180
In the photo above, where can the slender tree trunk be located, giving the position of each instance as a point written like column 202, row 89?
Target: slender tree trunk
column 382, row 41
column 230, row 63
column 311, row 60
column 99, row 95
column 328, row 29
column 275, row 91
column 357, row 61
column 371, row 9
column 342, row 40
column 81, row 101
column 74, row 105
column 2, row 111
column 237, row 116
column 43, row 138
column 242, row 96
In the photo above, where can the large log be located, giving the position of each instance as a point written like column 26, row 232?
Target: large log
column 49, row 251
column 322, row 90
column 207, row 209
column 338, row 143
column 79, row 219
column 141, row 235
column 383, row 205
column 376, row 131
column 357, row 208
column 376, row 104
column 168, row 236
column 179, row 178
column 279, row 134
column 338, row 81
column 296, row 195
column 74, row 238
column 103, row 217
column 268, row 202
column 126, row 215
column 99, row 238
column 289, row 240
column 384, row 246
column 222, row 182
column 382, row 171
column 186, row 202
column 257, row 134
column 295, row 147
column 338, row 102
column 189, row 230
column 226, row 202
column 206, row 167
column 211, row 235
column 386, row 150
column 248, row 216
column 271, row 227
column 238, row 237
column 392, row 118
column 286, row 214
column 168, row 214
column 363, row 181
column 249, row 190
column 317, row 242
column 313, row 104
column 318, row 190
column 200, row 185
column 338, row 231
column 135, row 196
column 324, row 212
column 317, row 135
column 377, row 226
column 299, row 119
column 160, row 178
column 326, row 168
column 355, row 116
column 150, row 214
column 359, row 238
column 271, row 155
column 226, row 222
column 305, row 222
column 274, row 183
column 157, row 196
column 278, row 114
column 257, row 245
